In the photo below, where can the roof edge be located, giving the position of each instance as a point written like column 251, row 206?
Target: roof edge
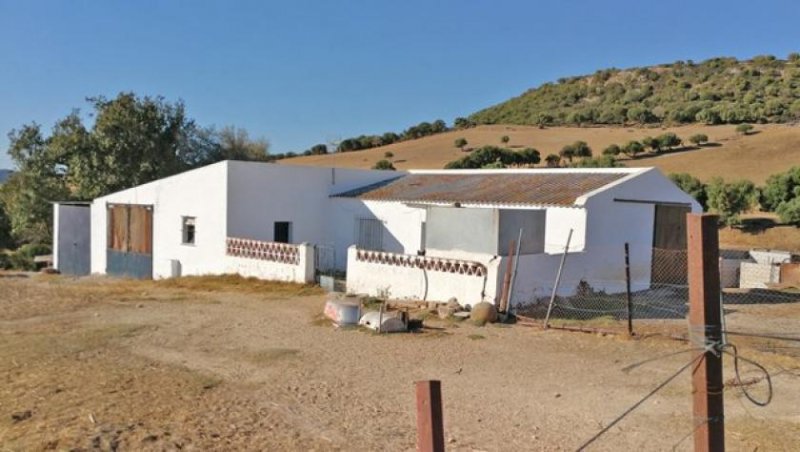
column 632, row 173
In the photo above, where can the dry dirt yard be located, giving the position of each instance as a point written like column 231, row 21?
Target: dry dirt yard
column 229, row 364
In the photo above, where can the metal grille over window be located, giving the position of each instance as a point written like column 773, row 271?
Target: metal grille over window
column 370, row 234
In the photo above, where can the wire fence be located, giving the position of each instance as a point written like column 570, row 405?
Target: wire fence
column 646, row 292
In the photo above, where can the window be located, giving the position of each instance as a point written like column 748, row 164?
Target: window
column 369, row 234
column 283, row 232
column 188, row 230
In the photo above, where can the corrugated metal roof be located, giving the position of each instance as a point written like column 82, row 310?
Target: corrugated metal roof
column 549, row 188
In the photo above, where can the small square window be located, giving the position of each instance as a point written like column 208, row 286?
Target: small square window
column 188, row 230
column 283, row 232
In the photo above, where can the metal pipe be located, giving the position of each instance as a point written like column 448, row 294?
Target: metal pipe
column 513, row 278
column 558, row 280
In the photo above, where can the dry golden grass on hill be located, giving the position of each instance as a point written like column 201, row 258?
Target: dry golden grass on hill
column 772, row 149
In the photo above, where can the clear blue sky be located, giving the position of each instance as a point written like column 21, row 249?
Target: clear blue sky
column 303, row 72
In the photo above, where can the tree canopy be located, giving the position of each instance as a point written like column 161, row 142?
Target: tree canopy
column 132, row 140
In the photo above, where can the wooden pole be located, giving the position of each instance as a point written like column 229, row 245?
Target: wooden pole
column 430, row 424
column 558, row 281
column 507, row 278
column 628, row 289
column 704, row 322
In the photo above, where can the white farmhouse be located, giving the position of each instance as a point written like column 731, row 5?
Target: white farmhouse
column 427, row 235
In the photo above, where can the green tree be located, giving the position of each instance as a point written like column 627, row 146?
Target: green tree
column 236, row 144
column 652, row 143
column 729, row 200
column 319, row 149
column 581, row 149
column 604, row 161
column 669, row 140
column 632, row 149
column 567, row 152
column 780, row 188
column 388, row 154
column 505, row 139
column 529, row 156
column 492, row 156
column 613, row 150
column 5, row 227
column 789, row 211
column 460, row 143
column 553, row 161
column 691, row 185
column 698, row 139
column 744, row 129
column 384, row 165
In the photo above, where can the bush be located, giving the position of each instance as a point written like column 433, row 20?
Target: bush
column 492, row 156
column 5, row 261
column 605, row 161
column 553, row 160
column 384, row 165
column 505, row 139
column 780, row 188
column 388, row 154
column 460, row 143
column 698, row 139
column 730, row 199
column 632, row 148
column 789, row 211
column 612, row 150
column 692, row 186
column 669, row 140
column 744, row 129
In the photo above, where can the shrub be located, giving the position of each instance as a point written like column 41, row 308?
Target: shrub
column 669, row 140
column 789, row 211
column 612, row 150
column 744, row 129
column 384, row 165
column 632, row 148
column 730, row 199
column 460, row 143
column 605, row 161
column 388, row 154
column 698, row 139
column 505, row 139
column 652, row 143
column 780, row 188
column 692, row 186
column 553, row 160
column 5, row 261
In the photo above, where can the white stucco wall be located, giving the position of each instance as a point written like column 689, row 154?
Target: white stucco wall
column 402, row 282
column 301, row 272
column 198, row 193
column 260, row 194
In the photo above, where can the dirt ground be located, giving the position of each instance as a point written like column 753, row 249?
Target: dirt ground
column 205, row 364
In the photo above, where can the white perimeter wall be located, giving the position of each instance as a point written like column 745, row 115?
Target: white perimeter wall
column 400, row 282
column 198, row 193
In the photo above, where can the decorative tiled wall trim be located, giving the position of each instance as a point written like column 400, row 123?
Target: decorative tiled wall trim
column 267, row 251
column 428, row 263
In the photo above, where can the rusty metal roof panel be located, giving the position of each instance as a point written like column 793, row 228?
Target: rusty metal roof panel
column 548, row 188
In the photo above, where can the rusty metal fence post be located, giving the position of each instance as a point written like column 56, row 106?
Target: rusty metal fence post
column 430, row 423
column 628, row 298
column 706, row 331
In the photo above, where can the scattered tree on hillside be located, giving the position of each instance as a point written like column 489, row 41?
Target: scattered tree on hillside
column 789, row 211
column 669, row 140
column 384, row 165
column 491, row 155
column 698, row 139
column 567, row 152
column 463, row 123
column 460, row 143
column 780, row 188
column 691, row 185
column 552, row 161
column 612, row 150
column 744, row 129
column 730, row 199
column 505, row 139
column 604, row 161
column 318, row 149
column 632, row 149
column 388, row 154
column 576, row 149
column 652, row 143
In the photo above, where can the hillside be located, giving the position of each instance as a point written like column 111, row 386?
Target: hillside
column 716, row 91
column 772, row 149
